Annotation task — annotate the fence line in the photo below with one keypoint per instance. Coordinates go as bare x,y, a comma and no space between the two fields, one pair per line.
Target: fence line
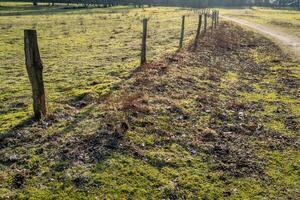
35,68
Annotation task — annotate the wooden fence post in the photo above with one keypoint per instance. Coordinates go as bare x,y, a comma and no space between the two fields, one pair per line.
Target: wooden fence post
216,18
205,22
198,29
34,68
144,42
182,32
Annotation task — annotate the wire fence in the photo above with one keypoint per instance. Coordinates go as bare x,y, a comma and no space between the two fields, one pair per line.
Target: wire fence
69,68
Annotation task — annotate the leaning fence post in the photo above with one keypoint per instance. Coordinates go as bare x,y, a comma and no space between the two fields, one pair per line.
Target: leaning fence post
216,16
144,42
34,68
182,32
198,30
205,22
216,19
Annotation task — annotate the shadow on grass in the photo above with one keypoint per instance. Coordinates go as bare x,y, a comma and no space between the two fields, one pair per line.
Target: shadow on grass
23,124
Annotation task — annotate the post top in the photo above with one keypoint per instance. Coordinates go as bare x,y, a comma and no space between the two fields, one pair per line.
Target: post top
29,30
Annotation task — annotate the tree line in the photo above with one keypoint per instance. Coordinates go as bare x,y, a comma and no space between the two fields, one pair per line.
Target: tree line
181,3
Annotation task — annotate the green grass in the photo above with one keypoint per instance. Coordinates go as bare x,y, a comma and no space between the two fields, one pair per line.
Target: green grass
285,20
214,123
83,51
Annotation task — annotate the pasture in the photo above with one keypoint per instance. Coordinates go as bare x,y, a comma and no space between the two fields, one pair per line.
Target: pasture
84,51
216,120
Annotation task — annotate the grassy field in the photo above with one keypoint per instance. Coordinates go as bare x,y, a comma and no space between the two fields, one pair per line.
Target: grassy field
84,51
217,122
285,20
220,122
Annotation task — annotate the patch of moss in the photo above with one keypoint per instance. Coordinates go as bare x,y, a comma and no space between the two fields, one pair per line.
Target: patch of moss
12,118
283,169
125,177
269,110
139,138
245,188
267,97
278,126
5,193
259,56
295,109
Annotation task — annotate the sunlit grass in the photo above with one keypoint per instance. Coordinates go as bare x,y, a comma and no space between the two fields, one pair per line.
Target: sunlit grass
83,50
285,20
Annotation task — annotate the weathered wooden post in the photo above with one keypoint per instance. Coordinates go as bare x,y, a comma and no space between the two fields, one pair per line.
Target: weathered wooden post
205,22
198,29
215,20
182,32
34,68
212,20
216,16
144,42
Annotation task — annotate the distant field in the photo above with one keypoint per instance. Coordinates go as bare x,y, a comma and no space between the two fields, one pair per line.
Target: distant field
285,20
84,51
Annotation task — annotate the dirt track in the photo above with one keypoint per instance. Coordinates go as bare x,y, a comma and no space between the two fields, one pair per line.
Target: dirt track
290,42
